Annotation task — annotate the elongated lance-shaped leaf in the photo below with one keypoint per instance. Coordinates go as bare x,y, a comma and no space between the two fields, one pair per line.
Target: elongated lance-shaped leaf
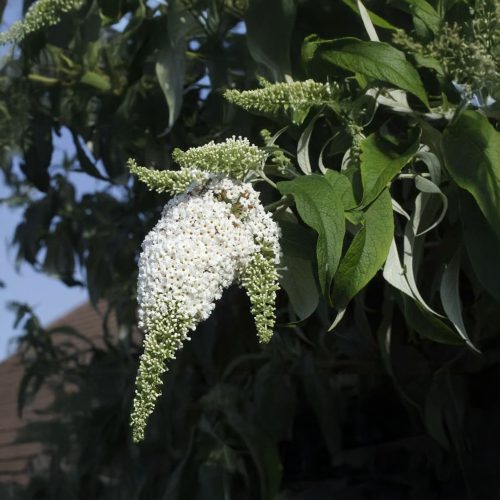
450,298
471,149
321,208
378,61
380,164
297,278
303,158
367,252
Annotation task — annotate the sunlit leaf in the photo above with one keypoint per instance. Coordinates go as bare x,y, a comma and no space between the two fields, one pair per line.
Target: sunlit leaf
376,60
321,208
367,252
380,164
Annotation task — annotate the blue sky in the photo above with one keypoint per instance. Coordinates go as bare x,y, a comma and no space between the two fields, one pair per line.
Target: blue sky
49,297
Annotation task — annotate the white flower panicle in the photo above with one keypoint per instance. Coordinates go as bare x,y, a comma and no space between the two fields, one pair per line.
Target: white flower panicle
234,157
300,96
41,14
216,234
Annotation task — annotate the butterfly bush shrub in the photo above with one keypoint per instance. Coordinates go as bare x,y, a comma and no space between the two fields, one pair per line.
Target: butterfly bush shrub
350,208
364,202
214,234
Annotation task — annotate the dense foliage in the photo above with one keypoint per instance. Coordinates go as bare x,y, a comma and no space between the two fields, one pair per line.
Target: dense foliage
382,167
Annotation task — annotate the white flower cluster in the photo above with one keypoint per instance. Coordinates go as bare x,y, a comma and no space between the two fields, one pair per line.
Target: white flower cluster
216,234
41,14
200,246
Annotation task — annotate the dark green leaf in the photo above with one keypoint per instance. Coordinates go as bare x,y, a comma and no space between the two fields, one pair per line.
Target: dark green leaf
269,26
450,298
483,245
297,278
342,185
303,158
319,395
426,13
380,164
38,148
59,259
86,163
171,60
274,395
170,73
263,451
427,324
376,60
471,149
376,20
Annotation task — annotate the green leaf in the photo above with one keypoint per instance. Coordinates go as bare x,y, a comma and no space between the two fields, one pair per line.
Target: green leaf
303,158
384,337
432,163
394,273
318,392
169,69
171,60
426,13
425,208
321,208
429,62
269,32
98,81
263,451
376,20
59,259
376,60
111,9
482,244
297,279
367,252
37,147
344,188
427,186
450,298
274,394
380,164
427,324
86,164
471,150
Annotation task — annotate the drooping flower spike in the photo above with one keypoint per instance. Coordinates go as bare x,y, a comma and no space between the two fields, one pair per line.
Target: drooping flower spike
215,234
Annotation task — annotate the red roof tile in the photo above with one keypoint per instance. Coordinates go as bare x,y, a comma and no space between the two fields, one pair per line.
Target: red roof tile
17,457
